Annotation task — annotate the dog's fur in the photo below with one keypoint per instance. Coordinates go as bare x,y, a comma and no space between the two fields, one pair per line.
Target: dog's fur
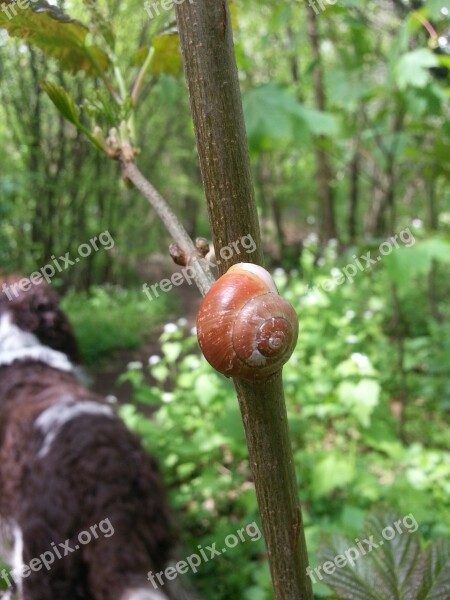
67,463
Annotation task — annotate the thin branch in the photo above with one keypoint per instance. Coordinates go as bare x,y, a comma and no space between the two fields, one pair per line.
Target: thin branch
202,273
140,78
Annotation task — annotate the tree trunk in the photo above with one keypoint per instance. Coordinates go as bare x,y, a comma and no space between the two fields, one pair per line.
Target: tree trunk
385,207
211,74
327,221
433,213
38,230
354,196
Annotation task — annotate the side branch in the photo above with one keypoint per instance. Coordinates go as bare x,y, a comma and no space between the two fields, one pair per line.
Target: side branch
203,276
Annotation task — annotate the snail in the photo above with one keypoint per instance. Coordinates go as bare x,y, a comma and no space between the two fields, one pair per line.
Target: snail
244,327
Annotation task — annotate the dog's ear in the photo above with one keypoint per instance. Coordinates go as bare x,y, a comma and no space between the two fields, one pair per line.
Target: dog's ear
37,311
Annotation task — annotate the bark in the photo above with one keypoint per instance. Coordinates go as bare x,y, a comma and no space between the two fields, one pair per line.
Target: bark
219,126
216,106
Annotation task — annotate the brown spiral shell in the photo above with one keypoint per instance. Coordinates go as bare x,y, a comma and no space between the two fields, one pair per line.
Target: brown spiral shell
244,327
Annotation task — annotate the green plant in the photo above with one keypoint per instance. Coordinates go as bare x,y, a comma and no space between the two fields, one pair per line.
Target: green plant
109,317
385,561
341,392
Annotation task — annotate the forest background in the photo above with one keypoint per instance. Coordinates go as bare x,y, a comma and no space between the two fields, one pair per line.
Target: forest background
347,115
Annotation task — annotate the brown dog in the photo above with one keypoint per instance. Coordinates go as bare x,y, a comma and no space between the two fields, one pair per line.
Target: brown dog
83,514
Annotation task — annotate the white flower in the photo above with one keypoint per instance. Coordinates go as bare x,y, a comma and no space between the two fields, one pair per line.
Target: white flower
134,364
335,272
154,359
182,322
279,272
170,328
167,397
417,223
311,297
193,331
311,238
361,360
350,314
351,339
193,362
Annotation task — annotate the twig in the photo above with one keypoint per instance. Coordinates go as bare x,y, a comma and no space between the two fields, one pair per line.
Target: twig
202,273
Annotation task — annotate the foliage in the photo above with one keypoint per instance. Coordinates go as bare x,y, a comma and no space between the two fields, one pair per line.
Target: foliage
352,449
110,318
384,129
274,116
367,389
56,34
390,563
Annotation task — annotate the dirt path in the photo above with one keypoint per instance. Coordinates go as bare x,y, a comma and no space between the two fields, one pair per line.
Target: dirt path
104,378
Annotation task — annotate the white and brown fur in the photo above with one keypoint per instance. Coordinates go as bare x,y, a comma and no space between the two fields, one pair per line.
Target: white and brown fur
67,463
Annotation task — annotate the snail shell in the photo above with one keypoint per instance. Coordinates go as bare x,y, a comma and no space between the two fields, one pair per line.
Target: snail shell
244,327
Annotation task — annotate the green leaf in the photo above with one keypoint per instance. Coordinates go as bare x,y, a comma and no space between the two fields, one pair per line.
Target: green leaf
206,388
435,249
167,58
171,351
56,34
347,88
348,582
386,563
318,123
273,117
67,107
147,396
332,472
63,102
405,263
160,372
436,581
413,68
360,398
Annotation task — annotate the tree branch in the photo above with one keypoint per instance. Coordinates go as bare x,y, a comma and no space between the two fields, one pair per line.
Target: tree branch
203,276
216,106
